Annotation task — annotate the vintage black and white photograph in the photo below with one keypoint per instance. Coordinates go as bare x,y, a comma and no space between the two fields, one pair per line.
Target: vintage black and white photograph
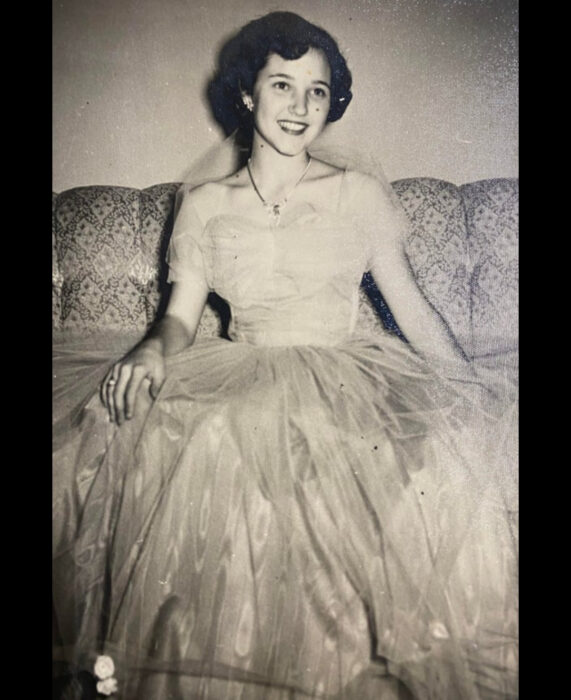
285,350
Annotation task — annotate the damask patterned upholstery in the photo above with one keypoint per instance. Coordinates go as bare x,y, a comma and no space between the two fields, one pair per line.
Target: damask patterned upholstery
492,217
156,220
109,270
101,259
57,278
437,249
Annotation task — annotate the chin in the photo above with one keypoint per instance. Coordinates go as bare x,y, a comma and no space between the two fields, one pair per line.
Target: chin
292,152
285,145
294,149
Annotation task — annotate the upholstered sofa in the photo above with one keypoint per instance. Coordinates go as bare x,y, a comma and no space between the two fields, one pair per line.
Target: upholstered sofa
109,270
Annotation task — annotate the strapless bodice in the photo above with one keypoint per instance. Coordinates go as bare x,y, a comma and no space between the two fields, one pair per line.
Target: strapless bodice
296,283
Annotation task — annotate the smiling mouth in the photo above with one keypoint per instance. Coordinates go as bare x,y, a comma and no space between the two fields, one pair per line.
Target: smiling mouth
292,128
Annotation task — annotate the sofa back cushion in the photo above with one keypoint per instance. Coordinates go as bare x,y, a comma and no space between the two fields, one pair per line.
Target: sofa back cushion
101,259
492,223
437,249
108,259
156,222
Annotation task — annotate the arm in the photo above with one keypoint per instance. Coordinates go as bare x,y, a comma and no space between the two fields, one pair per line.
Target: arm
389,265
418,320
176,330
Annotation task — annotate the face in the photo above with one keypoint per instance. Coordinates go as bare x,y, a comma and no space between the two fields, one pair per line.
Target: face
291,101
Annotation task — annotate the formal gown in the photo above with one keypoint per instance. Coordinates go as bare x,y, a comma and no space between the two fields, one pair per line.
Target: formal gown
304,511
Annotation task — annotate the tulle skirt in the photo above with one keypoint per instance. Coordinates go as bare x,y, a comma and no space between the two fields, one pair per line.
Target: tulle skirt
287,522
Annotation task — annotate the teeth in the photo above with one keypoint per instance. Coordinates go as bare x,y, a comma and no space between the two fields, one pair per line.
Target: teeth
293,126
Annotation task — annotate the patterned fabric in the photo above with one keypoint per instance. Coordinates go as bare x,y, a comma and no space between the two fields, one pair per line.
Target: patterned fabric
492,220
108,266
157,214
437,249
57,278
101,257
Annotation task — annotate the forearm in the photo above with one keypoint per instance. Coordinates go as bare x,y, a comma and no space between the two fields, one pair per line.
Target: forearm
427,332
168,336
421,324
176,330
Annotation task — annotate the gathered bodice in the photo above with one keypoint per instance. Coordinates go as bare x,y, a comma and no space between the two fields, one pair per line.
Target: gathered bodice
294,282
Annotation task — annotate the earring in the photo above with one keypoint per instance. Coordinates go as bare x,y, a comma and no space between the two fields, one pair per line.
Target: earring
248,103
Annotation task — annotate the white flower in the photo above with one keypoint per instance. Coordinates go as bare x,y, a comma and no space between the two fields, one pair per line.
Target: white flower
104,667
107,686
438,630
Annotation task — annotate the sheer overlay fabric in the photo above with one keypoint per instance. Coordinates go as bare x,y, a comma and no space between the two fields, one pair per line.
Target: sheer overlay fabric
303,511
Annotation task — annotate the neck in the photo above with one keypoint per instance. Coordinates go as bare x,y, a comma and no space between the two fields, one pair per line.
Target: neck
275,172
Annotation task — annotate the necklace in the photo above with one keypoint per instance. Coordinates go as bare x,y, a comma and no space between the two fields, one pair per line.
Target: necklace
274,209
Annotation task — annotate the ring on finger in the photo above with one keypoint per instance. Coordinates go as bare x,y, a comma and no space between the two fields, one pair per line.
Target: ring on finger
111,382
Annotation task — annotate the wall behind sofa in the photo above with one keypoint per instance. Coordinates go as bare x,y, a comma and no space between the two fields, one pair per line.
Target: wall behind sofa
435,84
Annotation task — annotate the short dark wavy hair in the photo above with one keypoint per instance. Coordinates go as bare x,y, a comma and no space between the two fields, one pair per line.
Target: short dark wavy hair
245,54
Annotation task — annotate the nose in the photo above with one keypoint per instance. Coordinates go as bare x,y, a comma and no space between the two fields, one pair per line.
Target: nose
298,105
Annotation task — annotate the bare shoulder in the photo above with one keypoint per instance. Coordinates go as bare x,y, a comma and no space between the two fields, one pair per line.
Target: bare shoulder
206,198
360,180
364,192
320,170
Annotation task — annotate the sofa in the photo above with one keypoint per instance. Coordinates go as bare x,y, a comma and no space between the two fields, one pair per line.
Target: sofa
109,271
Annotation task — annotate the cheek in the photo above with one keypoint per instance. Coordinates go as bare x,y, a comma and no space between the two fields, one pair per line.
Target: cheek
261,112
321,111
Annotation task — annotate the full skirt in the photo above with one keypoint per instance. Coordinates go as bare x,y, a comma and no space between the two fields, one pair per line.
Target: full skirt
288,522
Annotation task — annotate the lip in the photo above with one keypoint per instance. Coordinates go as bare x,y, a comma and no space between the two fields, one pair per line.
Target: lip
291,127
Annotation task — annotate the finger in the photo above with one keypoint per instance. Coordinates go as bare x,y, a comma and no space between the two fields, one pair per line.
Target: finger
132,391
102,391
110,389
156,383
107,389
119,393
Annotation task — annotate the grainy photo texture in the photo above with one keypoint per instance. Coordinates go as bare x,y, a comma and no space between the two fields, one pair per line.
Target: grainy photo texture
285,350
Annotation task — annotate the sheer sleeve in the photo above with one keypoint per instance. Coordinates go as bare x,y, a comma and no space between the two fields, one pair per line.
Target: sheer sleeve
380,215
184,253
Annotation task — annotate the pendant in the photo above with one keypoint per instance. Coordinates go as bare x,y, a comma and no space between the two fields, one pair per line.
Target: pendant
274,209
274,212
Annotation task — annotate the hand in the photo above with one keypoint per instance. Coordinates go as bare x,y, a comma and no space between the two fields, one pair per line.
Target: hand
120,388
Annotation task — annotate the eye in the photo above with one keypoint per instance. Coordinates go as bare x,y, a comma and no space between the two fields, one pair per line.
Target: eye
319,92
281,85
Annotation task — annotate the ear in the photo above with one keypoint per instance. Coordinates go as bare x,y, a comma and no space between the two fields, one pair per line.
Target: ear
247,100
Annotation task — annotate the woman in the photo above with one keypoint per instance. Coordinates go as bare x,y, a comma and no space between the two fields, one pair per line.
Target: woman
256,527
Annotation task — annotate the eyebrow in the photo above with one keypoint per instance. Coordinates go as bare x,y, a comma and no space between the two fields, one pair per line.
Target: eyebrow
290,77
